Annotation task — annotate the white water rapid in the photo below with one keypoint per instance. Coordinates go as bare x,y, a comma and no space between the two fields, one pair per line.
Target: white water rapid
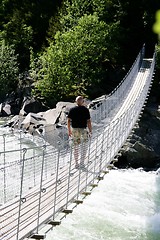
124,206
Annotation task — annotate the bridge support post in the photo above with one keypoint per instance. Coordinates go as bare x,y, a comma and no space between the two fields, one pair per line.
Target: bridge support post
37,236
54,223
77,201
86,193
67,211
94,185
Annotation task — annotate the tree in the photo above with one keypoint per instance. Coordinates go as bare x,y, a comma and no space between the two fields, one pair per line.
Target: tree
8,70
77,61
25,24
17,33
131,29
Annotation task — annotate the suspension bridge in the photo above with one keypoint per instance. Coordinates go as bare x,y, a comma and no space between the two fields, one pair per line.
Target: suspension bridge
39,182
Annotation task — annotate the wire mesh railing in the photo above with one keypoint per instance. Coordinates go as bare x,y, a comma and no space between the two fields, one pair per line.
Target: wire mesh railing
39,181
109,105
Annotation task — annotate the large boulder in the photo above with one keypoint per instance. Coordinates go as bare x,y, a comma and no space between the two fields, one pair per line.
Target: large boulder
140,155
33,121
6,110
59,114
31,105
143,150
56,135
10,106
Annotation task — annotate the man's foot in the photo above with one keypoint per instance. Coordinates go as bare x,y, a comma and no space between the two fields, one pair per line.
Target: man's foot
82,166
77,166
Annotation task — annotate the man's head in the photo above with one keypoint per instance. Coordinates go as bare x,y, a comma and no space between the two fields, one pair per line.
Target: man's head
79,100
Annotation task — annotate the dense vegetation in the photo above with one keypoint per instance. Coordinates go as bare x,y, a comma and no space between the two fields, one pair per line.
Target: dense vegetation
70,47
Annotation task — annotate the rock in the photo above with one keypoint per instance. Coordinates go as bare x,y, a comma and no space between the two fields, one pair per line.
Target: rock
143,149
31,105
32,121
6,110
140,155
51,116
63,108
153,110
1,107
14,122
56,135
45,122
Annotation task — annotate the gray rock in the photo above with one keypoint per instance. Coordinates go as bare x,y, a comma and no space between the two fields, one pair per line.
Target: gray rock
142,149
31,105
6,110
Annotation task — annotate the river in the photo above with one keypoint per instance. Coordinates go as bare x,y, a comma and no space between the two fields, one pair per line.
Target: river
124,206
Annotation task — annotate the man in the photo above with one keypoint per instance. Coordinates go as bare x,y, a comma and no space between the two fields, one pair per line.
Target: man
78,121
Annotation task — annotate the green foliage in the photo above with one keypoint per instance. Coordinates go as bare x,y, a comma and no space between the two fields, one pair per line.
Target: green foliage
121,13
72,11
8,69
77,60
158,57
24,24
156,25
156,29
20,35
87,41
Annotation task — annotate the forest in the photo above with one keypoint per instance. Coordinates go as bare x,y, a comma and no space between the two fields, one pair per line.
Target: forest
64,48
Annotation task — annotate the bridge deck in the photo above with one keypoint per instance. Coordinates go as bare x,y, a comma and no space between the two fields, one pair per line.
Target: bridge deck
137,87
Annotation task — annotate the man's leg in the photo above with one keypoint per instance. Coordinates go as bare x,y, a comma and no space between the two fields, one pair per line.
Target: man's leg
76,154
84,146
83,152
76,140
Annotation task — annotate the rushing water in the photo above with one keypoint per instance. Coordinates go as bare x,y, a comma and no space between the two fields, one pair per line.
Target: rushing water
125,205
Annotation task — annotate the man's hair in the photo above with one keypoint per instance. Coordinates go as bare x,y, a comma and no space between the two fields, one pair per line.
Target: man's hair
79,100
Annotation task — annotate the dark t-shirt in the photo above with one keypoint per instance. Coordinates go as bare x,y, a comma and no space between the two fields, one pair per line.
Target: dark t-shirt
79,116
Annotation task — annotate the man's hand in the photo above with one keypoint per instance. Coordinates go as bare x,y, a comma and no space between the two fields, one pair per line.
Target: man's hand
69,133
90,134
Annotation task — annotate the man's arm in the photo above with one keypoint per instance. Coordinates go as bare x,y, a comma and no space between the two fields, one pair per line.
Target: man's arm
69,127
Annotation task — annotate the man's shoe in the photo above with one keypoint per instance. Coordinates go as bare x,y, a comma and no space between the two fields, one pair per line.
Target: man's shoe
77,166
82,166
